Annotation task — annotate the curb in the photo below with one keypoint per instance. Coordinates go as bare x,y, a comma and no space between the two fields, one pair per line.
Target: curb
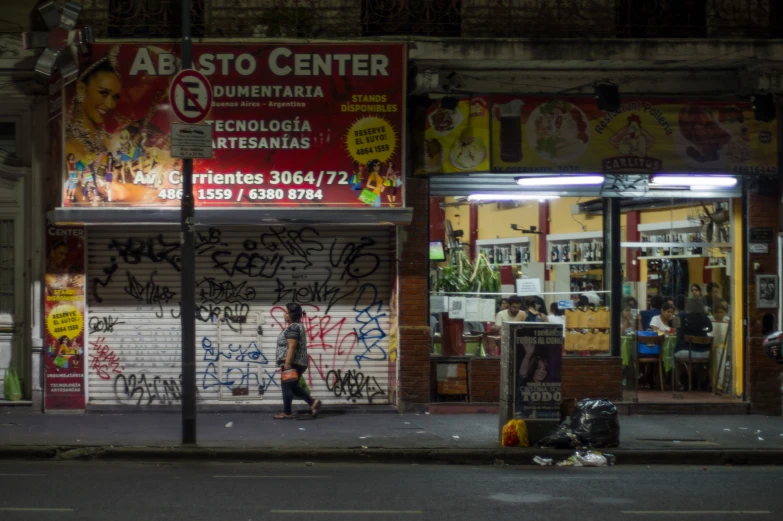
499,456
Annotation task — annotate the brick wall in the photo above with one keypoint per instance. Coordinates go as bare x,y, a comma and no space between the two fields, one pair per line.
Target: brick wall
762,375
413,384
485,380
593,377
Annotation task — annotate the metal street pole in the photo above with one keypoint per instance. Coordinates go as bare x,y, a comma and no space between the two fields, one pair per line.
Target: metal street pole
188,274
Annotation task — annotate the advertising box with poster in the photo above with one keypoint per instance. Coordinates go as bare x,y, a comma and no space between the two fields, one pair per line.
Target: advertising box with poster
292,125
538,356
64,356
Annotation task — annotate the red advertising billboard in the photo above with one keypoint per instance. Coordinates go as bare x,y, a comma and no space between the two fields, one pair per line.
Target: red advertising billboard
64,318
292,125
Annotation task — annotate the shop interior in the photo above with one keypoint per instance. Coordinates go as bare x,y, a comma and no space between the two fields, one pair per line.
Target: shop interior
679,261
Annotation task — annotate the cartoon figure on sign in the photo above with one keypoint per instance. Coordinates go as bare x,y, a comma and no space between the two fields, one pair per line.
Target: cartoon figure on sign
633,140
86,167
73,178
106,174
391,181
67,354
357,178
129,152
371,194
706,137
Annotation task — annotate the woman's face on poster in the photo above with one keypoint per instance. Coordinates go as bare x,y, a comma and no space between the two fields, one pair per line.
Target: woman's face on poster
100,93
60,255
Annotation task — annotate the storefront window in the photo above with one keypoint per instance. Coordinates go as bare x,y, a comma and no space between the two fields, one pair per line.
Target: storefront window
677,304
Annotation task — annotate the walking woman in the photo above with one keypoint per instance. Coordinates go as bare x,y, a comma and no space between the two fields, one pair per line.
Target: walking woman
292,354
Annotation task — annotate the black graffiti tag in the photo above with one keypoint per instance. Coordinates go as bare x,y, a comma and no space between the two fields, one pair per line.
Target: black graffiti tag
109,273
149,292
165,391
252,264
156,249
355,262
353,385
103,324
314,292
300,244
226,291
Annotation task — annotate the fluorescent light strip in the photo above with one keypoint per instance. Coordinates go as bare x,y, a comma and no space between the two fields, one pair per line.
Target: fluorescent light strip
510,197
700,181
562,180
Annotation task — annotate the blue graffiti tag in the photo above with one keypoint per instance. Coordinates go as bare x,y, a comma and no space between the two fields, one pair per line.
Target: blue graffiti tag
233,376
370,333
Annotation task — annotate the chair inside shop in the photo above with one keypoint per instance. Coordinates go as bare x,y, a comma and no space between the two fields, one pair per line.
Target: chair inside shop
690,361
474,344
646,317
648,352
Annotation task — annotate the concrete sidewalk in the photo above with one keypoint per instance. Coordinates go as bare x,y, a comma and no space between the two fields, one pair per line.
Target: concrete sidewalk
342,435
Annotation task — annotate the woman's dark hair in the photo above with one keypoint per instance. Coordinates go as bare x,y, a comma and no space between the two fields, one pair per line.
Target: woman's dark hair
372,163
630,302
514,299
667,307
695,286
504,300
102,65
58,244
656,302
555,309
294,311
530,302
63,339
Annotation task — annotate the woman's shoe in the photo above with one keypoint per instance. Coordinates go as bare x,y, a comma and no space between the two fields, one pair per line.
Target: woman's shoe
283,416
315,408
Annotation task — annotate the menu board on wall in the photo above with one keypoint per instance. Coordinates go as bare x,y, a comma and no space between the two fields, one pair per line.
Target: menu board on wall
570,135
292,125
456,136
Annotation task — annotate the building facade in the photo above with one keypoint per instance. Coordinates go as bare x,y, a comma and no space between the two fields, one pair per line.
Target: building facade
368,292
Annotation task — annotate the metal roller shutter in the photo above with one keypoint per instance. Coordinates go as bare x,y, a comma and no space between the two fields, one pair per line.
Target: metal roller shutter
244,277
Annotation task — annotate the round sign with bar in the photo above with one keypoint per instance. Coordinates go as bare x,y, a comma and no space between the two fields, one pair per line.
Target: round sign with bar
191,96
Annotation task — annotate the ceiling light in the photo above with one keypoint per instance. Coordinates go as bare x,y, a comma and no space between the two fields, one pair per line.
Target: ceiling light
510,197
561,180
699,181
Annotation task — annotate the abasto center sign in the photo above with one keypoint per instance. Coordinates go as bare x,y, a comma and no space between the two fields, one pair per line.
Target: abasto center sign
292,125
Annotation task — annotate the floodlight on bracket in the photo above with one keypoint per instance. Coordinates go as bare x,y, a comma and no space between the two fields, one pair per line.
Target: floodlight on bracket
532,230
61,44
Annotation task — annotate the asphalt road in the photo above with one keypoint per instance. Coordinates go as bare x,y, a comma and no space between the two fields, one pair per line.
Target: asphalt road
112,491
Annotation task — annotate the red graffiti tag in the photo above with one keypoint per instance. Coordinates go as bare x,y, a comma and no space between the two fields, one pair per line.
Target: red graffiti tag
104,360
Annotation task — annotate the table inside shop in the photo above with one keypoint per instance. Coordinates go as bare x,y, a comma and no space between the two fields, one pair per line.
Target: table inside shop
628,349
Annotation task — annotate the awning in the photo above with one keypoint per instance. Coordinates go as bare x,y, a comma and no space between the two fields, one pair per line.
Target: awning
234,216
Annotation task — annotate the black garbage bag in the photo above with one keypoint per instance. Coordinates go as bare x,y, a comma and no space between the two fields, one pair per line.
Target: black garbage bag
593,424
562,438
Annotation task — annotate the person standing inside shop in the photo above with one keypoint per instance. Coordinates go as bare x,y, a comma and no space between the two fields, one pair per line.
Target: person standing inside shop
292,354
514,313
533,314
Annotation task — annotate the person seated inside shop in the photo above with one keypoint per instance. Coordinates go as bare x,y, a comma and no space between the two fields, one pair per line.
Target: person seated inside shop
535,310
514,313
714,295
662,323
694,322
646,315
503,304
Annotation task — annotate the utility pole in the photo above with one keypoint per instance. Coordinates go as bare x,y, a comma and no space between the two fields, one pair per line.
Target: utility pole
188,274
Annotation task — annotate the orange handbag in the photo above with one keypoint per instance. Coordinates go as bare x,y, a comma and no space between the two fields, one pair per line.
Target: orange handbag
289,376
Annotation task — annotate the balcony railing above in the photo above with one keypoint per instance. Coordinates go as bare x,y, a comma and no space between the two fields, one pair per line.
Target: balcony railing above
440,18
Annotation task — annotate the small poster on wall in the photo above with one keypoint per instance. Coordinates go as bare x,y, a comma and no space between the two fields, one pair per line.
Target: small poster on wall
766,291
64,357
538,355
